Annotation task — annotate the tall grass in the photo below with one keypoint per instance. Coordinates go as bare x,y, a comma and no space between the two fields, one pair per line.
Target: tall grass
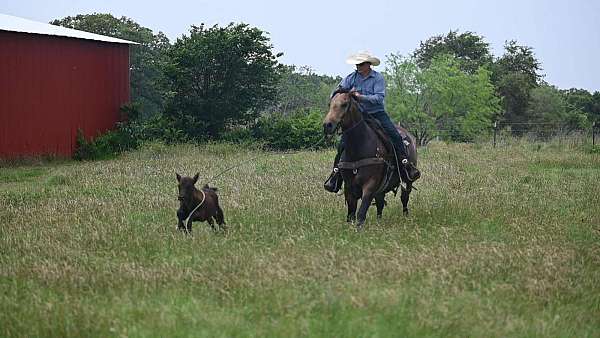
499,242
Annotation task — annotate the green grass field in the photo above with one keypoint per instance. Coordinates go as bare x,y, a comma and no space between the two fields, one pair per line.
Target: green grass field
500,242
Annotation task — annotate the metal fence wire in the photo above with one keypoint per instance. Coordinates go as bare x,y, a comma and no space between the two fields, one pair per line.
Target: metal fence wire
544,132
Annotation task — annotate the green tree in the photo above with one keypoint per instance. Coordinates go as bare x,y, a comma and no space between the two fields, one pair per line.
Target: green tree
148,89
594,110
404,97
464,104
584,101
220,76
441,100
515,74
468,48
550,111
301,90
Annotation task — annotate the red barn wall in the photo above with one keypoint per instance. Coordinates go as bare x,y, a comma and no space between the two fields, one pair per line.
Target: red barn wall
51,86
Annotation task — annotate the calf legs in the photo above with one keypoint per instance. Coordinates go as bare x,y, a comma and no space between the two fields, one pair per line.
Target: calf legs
181,224
219,217
181,216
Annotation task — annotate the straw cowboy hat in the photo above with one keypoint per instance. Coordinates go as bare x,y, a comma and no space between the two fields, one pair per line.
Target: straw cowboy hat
361,57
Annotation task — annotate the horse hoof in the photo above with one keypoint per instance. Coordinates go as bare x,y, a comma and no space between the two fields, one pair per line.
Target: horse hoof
360,225
405,212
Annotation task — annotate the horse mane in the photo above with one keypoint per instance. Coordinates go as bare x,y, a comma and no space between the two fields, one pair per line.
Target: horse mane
340,90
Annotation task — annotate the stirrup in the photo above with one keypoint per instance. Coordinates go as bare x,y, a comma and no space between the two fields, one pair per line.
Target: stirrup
416,173
334,182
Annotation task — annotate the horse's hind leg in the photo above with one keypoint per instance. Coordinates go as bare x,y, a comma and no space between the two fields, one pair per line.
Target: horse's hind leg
404,197
380,203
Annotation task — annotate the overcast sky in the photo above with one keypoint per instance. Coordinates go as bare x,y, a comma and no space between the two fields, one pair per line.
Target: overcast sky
565,34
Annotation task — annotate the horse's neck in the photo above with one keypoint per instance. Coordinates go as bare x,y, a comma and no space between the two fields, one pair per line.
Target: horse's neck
353,117
360,140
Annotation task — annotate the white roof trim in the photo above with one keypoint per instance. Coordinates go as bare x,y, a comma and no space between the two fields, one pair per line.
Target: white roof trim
16,24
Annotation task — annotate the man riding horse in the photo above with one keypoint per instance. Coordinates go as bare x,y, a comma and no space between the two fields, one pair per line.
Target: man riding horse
368,87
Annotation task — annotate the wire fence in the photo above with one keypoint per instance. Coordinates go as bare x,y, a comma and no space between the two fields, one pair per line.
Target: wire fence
544,132
504,133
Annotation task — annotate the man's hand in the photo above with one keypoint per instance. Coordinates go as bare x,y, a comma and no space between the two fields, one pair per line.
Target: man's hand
356,94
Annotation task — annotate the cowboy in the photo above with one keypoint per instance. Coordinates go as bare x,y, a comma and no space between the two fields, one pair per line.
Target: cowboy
368,87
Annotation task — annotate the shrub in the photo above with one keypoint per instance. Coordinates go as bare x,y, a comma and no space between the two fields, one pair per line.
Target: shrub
105,146
240,135
156,128
297,131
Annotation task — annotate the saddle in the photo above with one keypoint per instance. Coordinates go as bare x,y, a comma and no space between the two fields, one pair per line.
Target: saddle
375,125
378,129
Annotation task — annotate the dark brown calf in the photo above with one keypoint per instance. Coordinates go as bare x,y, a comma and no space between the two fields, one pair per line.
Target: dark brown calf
203,205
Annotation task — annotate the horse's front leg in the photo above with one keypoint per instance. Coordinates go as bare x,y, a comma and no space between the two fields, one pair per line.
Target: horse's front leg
380,203
367,198
404,197
351,201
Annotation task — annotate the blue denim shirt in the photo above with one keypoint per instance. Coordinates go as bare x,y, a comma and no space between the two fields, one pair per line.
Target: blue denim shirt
372,87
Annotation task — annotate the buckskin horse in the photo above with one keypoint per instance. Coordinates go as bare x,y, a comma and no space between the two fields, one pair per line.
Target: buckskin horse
368,164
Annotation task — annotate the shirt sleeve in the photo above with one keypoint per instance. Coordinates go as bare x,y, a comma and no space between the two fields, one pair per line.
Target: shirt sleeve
378,92
345,84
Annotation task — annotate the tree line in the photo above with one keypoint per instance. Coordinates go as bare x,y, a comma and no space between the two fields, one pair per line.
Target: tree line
227,83
452,86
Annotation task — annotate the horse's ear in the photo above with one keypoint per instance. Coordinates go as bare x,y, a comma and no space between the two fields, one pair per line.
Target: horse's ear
196,177
178,177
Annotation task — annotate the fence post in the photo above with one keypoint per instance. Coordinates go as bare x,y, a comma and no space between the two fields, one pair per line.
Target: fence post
594,134
495,130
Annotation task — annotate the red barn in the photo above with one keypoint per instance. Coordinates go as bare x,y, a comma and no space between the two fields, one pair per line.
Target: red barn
54,81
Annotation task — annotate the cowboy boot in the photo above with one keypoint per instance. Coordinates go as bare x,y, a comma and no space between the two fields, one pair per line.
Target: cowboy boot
411,172
334,182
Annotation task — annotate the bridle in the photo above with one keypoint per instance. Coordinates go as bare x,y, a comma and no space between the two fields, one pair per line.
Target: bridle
352,102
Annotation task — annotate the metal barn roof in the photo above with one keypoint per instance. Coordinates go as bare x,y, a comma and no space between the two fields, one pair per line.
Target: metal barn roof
16,24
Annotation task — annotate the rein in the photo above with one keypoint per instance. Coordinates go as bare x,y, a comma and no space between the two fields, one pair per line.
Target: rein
354,126
347,111
314,146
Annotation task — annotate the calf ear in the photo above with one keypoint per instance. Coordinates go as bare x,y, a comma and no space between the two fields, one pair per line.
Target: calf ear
178,177
196,177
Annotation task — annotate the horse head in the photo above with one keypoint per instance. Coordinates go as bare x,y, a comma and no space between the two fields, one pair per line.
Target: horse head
343,109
